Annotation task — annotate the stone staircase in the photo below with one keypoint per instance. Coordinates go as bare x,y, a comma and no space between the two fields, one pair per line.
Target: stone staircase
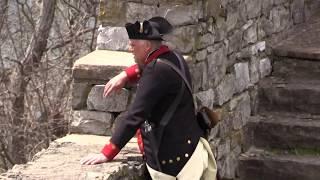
284,138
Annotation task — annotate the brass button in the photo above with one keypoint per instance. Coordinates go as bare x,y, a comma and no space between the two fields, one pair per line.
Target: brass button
189,141
163,162
186,155
178,158
170,161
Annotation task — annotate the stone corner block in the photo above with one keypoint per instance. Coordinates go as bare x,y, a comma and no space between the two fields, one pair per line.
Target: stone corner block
79,96
91,122
101,65
116,102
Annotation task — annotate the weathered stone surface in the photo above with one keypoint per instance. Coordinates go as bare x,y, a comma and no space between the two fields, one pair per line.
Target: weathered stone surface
223,149
279,20
101,65
229,166
266,7
235,42
205,98
198,75
91,122
217,64
112,38
213,8
232,17
183,38
258,163
286,130
115,102
139,12
225,89
253,8
265,67
242,76
79,95
61,161
205,41
238,111
201,55
292,68
297,8
185,15
254,70
112,12
295,96
250,34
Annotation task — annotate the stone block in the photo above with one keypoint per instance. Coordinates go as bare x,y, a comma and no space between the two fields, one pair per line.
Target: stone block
254,70
213,8
112,38
223,149
139,12
228,169
161,2
184,15
115,102
250,35
265,67
253,8
225,89
112,12
205,98
279,19
101,65
79,95
201,55
91,122
242,76
217,61
241,106
297,10
235,41
232,17
183,38
266,7
198,75
205,41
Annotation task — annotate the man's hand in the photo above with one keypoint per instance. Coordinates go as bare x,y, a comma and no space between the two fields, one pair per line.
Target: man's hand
94,159
115,84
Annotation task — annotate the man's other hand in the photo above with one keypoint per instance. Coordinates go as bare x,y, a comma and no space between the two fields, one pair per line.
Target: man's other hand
115,84
94,159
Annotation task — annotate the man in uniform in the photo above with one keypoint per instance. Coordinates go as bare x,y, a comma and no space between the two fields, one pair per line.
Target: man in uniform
182,153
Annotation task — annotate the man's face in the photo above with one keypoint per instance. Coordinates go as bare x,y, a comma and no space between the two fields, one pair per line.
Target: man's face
140,50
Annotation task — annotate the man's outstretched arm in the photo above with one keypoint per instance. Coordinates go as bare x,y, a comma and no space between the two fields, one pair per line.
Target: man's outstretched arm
131,74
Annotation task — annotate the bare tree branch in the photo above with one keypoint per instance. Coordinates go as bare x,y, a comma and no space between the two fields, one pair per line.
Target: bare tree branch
20,82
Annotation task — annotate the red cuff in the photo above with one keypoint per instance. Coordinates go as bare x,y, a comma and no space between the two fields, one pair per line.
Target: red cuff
140,142
110,151
133,73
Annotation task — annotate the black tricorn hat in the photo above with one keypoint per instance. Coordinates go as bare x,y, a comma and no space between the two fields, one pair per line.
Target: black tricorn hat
152,29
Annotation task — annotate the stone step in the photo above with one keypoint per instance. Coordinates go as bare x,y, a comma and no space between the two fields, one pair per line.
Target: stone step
288,131
276,94
262,165
294,68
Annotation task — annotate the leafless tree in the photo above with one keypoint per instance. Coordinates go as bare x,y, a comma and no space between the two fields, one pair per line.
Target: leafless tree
41,41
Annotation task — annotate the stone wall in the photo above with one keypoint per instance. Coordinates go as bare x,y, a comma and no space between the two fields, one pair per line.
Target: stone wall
228,45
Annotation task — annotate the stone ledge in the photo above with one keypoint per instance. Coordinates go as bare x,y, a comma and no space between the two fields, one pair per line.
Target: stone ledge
101,65
61,161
